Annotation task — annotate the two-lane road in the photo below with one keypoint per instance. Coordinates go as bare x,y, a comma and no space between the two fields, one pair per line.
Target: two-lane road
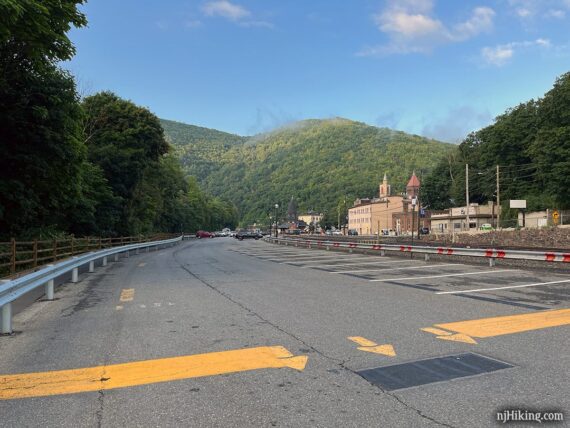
227,333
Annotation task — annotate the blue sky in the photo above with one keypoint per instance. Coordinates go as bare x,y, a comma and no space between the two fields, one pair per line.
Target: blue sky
439,68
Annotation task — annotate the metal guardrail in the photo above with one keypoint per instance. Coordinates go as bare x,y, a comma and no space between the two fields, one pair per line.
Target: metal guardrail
13,289
490,253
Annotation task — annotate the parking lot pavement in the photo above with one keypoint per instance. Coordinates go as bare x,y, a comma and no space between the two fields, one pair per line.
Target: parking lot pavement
529,289
230,334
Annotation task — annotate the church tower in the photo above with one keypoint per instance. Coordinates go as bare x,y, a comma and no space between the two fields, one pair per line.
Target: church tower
385,188
413,187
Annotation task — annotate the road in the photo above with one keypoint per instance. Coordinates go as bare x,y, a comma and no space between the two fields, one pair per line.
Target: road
230,334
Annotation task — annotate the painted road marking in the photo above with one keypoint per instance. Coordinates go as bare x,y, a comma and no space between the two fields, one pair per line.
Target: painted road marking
127,295
142,264
119,308
401,268
146,372
362,263
498,326
370,346
442,276
504,288
331,260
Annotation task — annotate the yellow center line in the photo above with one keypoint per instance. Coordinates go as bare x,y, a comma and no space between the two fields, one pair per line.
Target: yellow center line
127,295
146,372
497,326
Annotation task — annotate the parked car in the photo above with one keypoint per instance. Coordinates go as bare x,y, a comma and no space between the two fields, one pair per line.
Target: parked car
203,234
246,234
424,231
486,226
337,232
353,232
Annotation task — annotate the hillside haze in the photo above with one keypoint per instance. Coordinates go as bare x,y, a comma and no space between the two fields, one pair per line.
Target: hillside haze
319,162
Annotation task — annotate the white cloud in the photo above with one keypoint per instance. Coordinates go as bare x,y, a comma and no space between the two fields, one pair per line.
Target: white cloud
412,27
226,10
456,124
480,22
535,9
234,13
556,13
500,55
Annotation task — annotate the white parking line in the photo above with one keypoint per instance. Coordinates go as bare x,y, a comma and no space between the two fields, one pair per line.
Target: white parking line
441,276
361,263
401,268
503,288
331,260
303,257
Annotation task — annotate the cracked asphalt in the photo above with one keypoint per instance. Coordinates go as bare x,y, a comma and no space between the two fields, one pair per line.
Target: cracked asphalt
221,294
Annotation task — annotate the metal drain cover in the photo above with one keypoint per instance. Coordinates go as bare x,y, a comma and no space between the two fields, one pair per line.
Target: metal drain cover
433,370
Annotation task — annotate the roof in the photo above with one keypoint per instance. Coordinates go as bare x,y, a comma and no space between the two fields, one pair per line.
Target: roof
414,181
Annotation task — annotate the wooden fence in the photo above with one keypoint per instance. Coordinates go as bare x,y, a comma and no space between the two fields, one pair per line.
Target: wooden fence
19,257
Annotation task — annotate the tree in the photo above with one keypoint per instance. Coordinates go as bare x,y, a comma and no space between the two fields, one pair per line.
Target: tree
127,142
40,132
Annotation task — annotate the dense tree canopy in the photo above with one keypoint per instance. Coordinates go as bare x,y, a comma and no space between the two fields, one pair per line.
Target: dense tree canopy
531,145
97,166
317,161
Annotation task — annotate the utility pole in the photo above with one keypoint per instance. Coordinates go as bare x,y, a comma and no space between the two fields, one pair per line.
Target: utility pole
467,195
498,201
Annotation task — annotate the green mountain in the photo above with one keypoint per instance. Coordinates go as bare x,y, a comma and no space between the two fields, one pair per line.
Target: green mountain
319,162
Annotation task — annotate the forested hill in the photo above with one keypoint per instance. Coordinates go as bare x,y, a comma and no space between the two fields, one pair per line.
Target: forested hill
320,162
530,144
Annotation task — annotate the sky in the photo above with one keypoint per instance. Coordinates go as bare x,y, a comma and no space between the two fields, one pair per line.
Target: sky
438,68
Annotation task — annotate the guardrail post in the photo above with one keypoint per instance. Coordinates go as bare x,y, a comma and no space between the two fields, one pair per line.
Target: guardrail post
104,261
91,266
75,274
7,318
492,262
127,254
49,290
426,257
382,253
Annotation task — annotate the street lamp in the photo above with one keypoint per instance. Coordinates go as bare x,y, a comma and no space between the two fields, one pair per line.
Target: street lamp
414,202
276,225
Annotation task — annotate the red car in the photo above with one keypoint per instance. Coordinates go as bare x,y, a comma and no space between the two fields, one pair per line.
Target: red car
203,234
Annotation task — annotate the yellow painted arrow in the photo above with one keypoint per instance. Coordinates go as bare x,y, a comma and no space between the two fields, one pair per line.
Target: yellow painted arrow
146,372
370,346
465,331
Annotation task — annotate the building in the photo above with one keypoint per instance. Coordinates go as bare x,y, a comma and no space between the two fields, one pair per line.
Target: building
372,216
311,217
454,220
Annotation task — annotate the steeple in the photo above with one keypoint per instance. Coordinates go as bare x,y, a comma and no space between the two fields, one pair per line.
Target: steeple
385,188
413,187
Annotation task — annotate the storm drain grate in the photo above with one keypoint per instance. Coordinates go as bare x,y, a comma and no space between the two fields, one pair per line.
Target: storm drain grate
433,370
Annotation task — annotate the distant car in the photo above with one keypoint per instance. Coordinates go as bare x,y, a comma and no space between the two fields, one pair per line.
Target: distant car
486,226
337,232
246,234
352,232
328,232
424,231
203,234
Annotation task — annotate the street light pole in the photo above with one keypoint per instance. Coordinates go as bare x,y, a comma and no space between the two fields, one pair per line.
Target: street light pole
414,201
276,207
467,196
